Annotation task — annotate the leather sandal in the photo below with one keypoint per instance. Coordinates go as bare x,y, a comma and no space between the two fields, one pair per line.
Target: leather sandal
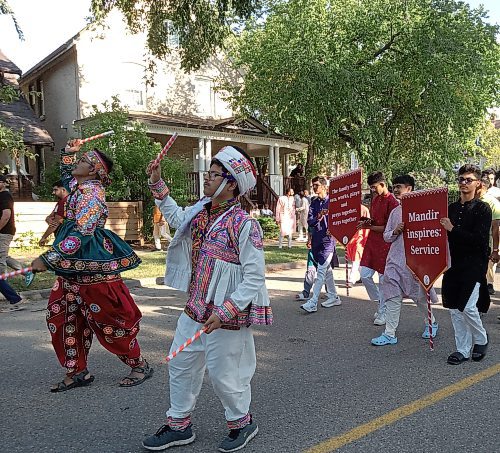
79,380
146,372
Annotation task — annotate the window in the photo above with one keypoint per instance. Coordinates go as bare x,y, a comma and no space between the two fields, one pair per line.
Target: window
172,34
205,96
133,98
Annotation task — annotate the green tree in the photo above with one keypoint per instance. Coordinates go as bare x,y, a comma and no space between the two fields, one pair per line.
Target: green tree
131,149
489,144
202,25
404,82
6,9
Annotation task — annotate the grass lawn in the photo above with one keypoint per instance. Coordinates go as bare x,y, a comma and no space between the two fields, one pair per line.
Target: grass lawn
153,263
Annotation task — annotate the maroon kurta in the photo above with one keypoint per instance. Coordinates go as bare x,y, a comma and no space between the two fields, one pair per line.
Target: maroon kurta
376,249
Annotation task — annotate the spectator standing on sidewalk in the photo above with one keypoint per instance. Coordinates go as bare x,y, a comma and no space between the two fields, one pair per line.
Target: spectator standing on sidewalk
7,232
160,228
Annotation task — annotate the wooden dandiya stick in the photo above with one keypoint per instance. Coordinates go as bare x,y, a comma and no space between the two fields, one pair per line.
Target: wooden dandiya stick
165,149
429,320
346,274
96,137
186,344
18,272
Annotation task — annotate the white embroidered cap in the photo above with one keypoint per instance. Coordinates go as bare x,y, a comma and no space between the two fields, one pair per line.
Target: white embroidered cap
241,169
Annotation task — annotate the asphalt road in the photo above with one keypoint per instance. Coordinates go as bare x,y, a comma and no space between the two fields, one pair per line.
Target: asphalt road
319,383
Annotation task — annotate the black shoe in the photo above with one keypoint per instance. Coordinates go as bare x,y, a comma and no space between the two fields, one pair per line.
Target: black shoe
166,437
491,290
238,438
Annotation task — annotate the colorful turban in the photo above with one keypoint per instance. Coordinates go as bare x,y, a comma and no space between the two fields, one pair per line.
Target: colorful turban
240,168
100,167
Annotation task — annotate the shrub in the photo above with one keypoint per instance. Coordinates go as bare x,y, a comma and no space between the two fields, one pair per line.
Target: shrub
269,227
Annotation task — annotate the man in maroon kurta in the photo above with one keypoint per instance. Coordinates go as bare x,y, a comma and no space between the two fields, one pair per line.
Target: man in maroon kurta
376,249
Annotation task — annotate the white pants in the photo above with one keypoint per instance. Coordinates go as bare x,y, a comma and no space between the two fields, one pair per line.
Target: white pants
371,288
490,274
289,241
354,272
160,231
229,356
324,276
393,310
468,326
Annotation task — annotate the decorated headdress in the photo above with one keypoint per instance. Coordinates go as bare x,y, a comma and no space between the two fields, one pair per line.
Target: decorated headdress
100,166
239,167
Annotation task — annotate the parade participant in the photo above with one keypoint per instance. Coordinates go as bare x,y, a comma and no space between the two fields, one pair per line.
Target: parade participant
89,296
355,247
464,289
302,214
493,190
323,248
484,195
376,249
55,218
398,281
285,217
217,257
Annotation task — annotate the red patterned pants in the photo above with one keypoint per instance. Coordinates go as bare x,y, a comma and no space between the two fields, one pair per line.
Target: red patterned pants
76,311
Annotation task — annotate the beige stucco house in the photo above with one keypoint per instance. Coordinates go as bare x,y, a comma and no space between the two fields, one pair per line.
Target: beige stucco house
97,64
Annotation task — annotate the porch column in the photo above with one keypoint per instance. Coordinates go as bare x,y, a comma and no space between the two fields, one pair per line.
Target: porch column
208,153
270,165
277,166
286,171
201,154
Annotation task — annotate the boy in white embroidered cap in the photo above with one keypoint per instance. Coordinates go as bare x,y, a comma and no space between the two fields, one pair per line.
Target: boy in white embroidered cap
217,257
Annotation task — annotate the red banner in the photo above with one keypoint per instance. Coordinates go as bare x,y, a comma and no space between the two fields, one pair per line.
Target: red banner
424,237
344,208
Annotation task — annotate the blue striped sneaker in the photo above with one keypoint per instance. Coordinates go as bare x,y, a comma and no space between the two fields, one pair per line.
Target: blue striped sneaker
166,437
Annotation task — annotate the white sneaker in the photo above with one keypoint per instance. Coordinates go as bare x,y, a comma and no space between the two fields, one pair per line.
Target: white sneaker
157,244
333,302
310,307
379,320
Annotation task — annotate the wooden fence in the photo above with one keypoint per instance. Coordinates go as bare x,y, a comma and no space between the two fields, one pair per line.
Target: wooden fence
125,219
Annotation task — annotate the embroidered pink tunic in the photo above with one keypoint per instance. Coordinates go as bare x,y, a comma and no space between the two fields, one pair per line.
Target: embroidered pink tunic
285,215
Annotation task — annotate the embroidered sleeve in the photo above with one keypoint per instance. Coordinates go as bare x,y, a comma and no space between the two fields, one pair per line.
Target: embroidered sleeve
253,267
159,189
67,164
91,207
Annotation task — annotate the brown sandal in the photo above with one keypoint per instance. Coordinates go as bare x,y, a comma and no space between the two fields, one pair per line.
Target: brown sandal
145,370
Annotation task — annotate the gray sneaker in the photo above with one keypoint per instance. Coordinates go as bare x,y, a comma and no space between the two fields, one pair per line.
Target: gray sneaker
166,437
238,438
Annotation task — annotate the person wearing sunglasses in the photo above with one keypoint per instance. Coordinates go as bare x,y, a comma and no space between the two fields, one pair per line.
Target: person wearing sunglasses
89,296
217,257
464,288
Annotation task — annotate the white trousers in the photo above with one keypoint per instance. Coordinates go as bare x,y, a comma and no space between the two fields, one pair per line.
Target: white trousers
393,310
354,274
229,356
280,241
371,288
468,326
324,276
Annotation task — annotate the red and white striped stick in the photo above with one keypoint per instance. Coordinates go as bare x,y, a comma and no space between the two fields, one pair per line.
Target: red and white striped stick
429,320
95,137
186,344
165,149
18,272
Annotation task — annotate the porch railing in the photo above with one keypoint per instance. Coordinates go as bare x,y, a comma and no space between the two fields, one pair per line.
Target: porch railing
265,193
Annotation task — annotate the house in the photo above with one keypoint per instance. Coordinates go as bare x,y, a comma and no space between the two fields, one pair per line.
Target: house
17,115
96,64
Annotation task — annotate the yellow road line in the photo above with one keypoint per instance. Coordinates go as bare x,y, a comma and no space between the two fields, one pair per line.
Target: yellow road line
402,412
